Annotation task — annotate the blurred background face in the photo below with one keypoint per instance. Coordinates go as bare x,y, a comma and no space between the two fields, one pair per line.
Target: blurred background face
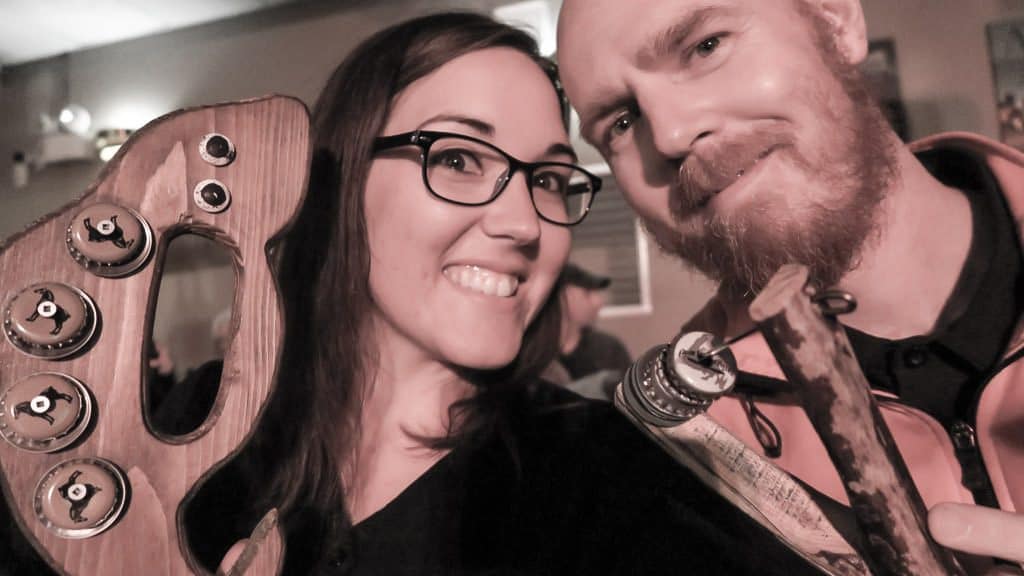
581,305
461,284
737,129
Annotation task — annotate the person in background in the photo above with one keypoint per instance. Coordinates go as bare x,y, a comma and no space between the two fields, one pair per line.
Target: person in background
188,403
744,136
593,361
161,373
220,332
1011,121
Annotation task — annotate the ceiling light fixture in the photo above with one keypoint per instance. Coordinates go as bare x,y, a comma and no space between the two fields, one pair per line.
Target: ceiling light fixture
75,119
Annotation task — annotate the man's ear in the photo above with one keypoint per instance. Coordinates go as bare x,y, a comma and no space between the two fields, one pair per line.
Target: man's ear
847,20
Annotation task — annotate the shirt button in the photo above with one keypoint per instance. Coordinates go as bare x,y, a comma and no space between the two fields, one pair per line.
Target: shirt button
915,356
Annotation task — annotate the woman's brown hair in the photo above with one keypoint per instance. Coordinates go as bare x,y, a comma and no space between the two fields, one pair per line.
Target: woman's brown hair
323,269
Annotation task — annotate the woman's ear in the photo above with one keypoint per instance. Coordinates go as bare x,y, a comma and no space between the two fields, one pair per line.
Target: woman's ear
848,28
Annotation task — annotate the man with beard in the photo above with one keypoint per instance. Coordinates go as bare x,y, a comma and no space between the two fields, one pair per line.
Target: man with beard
742,134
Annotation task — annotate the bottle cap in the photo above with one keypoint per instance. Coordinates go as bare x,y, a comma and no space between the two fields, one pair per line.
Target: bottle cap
80,498
109,240
50,320
44,412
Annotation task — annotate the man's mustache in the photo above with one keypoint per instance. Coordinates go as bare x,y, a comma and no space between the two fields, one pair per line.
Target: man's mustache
712,168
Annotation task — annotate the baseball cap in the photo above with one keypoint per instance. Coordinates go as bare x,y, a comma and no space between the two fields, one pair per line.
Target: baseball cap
573,274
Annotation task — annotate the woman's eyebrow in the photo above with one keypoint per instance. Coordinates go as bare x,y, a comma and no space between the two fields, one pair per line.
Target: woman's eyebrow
475,124
561,149
486,129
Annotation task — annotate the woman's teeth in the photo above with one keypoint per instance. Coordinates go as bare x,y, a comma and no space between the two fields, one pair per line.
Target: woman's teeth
482,280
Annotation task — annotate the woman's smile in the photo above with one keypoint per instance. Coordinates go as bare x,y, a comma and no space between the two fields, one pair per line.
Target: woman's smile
482,280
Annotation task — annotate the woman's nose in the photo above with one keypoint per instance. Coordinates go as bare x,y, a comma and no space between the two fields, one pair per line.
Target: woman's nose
512,215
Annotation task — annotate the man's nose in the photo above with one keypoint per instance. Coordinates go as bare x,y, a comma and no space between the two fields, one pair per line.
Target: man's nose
678,117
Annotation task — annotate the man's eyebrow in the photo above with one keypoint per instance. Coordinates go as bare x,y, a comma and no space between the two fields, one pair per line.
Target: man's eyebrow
598,111
664,42
670,38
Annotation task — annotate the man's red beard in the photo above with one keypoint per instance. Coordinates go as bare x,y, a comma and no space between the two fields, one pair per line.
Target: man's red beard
743,249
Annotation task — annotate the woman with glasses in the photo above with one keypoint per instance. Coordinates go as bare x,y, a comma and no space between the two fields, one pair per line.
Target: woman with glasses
410,432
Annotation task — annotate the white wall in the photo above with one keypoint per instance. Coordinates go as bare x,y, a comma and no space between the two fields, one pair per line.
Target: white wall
942,52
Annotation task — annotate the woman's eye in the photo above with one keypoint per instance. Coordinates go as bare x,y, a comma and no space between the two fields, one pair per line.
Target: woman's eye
456,160
549,181
707,46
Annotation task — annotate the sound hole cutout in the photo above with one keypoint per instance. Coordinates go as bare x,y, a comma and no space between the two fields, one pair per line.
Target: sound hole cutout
192,331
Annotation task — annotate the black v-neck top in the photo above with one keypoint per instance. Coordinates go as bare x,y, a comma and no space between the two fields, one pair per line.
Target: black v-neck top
572,487
569,487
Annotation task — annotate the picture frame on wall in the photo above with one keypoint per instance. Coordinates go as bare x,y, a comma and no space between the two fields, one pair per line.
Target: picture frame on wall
881,72
1006,52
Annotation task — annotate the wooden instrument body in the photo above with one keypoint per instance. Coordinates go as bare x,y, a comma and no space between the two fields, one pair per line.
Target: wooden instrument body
155,174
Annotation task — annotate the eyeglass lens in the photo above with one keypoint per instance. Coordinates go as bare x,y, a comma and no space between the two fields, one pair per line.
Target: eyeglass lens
469,172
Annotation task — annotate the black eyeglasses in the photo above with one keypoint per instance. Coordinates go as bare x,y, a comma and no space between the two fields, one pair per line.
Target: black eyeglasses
470,172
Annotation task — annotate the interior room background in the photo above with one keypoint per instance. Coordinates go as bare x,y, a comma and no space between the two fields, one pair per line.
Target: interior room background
933,64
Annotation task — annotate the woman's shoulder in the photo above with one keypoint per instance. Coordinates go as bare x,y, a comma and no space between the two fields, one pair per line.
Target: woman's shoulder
551,418
626,500
586,451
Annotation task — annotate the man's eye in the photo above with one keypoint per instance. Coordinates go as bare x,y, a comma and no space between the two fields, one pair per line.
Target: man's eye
622,123
707,46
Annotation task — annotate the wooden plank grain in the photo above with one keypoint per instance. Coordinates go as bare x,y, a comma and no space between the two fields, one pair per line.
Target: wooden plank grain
154,174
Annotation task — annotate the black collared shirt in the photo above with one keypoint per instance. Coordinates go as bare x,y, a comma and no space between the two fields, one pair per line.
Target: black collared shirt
943,371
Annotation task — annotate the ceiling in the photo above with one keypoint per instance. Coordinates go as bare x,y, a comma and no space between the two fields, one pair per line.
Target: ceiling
33,29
